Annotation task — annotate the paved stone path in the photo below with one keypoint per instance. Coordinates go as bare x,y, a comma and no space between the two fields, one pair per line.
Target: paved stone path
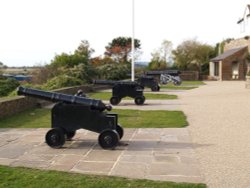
157,154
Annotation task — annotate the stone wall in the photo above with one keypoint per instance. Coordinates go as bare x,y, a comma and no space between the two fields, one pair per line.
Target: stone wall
189,75
18,104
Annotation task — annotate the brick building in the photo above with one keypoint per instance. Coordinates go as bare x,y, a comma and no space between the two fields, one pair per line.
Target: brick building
233,64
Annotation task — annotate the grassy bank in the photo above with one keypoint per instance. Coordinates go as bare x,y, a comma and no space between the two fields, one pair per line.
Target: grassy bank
32,178
150,96
40,118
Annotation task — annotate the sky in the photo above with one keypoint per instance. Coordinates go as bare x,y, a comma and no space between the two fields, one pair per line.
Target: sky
32,32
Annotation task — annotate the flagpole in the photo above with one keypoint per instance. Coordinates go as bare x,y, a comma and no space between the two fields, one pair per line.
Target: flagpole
133,42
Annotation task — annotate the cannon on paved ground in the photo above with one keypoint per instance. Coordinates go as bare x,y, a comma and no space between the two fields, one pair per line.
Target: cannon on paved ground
121,89
167,76
71,113
148,81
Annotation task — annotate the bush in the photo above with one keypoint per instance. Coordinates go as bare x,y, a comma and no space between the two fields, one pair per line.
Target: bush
62,81
7,86
113,71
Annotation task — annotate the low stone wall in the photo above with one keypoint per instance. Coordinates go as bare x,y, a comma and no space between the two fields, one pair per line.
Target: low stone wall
189,75
18,104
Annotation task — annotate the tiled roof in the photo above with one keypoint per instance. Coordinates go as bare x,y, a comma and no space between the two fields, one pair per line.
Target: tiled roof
228,53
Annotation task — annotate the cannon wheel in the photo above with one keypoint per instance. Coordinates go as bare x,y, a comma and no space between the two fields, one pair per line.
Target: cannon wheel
70,134
115,100
158,88
177,83
139,100
55,138
108,139
155,88
119,130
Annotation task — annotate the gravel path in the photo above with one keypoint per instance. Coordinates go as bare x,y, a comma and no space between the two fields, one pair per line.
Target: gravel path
219,123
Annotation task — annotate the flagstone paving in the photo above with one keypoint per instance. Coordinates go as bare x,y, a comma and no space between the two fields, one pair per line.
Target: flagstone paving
156,154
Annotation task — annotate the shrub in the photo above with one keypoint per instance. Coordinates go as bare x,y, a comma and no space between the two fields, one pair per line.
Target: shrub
62,81
7,86
113,71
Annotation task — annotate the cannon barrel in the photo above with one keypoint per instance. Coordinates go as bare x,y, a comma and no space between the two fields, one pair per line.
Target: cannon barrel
59,97
170,72
113,82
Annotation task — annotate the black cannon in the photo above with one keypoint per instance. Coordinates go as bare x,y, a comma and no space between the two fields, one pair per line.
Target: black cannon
167,76
121,89
71,113
148,81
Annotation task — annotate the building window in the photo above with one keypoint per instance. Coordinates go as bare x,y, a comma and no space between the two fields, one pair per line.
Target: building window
216,68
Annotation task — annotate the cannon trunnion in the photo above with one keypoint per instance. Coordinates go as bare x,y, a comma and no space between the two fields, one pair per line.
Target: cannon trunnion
74,112
121,89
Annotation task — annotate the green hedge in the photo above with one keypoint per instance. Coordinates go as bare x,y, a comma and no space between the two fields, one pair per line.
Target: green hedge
7,86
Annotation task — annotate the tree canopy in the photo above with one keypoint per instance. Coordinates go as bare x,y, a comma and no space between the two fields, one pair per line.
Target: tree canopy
192,55
120,48
160,56
81,56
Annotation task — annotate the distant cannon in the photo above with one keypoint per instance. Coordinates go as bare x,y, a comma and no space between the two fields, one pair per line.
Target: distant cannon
75,112
121,89
148,81
167,76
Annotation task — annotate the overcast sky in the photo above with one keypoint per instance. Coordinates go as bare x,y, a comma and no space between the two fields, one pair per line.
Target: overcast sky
32,32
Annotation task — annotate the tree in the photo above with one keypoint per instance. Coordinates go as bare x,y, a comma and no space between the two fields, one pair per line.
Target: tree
71,65
84,49
166,49
120,48
81,56
192,55
160,56
157,62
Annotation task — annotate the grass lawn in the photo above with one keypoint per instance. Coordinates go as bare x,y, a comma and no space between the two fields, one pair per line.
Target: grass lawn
40,118
108,95
151,119
181,87
32,178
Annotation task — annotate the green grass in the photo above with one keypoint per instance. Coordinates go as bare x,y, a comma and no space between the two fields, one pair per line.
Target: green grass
34,118
11,177
40,118
108,95
173,87
151,119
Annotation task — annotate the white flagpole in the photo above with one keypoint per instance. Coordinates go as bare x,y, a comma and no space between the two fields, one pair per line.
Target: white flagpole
133,42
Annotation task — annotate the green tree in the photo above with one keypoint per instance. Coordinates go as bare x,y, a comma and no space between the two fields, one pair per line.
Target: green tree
81,56
76,65
192,55
157,62
120,48
161,56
